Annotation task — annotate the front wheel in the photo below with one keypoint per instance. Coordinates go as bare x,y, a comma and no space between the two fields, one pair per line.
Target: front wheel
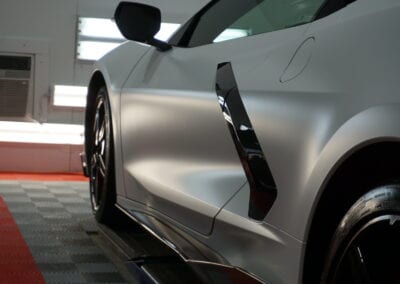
101,160
366,245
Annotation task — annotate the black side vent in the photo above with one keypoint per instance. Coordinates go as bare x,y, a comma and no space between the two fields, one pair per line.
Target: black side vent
263,190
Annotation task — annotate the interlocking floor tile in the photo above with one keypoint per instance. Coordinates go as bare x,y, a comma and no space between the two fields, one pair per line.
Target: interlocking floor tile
44,194
61,277
66,267
89,258
5,188
57,224
17,200
103,277
96,268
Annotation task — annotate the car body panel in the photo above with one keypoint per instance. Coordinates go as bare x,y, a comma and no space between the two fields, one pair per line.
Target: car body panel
338,90
176,144
265,250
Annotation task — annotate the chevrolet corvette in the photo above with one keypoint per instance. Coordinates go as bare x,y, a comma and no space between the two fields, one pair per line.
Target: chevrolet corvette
262,138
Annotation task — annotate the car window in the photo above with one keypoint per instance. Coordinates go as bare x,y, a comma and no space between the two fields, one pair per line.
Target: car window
223,20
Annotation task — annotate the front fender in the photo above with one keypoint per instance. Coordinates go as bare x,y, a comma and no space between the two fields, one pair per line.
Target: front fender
373,125
115,68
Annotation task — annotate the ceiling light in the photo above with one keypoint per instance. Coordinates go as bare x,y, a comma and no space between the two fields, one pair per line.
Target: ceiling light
98,36
99,28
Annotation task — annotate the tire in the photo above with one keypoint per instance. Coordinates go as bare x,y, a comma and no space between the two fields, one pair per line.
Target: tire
101,160
366,245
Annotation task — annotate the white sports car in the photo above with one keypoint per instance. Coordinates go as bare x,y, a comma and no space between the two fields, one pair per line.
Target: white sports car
263,138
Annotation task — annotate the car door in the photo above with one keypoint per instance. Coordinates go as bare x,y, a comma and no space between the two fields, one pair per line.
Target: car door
180,156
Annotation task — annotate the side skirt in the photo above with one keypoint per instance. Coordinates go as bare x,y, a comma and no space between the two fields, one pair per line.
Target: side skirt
205,262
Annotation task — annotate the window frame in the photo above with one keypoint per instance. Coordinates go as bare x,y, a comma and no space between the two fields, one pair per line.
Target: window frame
183,35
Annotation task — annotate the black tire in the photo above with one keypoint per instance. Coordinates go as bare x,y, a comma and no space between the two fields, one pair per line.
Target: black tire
366,245
101,160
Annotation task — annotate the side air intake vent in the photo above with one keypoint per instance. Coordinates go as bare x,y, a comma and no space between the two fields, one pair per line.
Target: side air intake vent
15,85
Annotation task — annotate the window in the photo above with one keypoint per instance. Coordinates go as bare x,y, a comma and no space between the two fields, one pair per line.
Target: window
229,19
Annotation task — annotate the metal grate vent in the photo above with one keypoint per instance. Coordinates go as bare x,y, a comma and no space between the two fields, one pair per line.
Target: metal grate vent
15,63
13,97
15,81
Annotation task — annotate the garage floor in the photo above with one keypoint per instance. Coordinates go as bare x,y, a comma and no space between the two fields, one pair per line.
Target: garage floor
56,223
48,235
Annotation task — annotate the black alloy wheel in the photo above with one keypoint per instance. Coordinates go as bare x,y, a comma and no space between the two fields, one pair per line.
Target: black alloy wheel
102,181
366,246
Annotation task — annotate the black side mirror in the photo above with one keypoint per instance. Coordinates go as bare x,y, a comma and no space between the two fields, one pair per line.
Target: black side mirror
140,22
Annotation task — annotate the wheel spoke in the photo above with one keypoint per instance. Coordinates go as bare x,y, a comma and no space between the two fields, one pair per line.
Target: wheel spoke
93,180
95,185
101,166
101,132
102,148
96,129
99,124
358,266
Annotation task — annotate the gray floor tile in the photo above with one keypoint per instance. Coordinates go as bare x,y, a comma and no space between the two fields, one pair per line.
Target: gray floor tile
57,223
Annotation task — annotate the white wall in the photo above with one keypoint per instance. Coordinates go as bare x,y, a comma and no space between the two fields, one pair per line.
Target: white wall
47,29
40,158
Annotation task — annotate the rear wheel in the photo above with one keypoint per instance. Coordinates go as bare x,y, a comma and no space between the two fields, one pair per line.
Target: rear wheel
366,245
101,160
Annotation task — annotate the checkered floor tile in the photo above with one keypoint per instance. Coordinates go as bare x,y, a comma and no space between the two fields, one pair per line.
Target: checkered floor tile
56,222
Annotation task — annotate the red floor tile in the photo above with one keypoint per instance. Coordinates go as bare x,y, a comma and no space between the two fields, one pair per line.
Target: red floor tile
16,262
43,176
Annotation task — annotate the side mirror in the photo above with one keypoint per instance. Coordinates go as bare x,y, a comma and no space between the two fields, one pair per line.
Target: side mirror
140,22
